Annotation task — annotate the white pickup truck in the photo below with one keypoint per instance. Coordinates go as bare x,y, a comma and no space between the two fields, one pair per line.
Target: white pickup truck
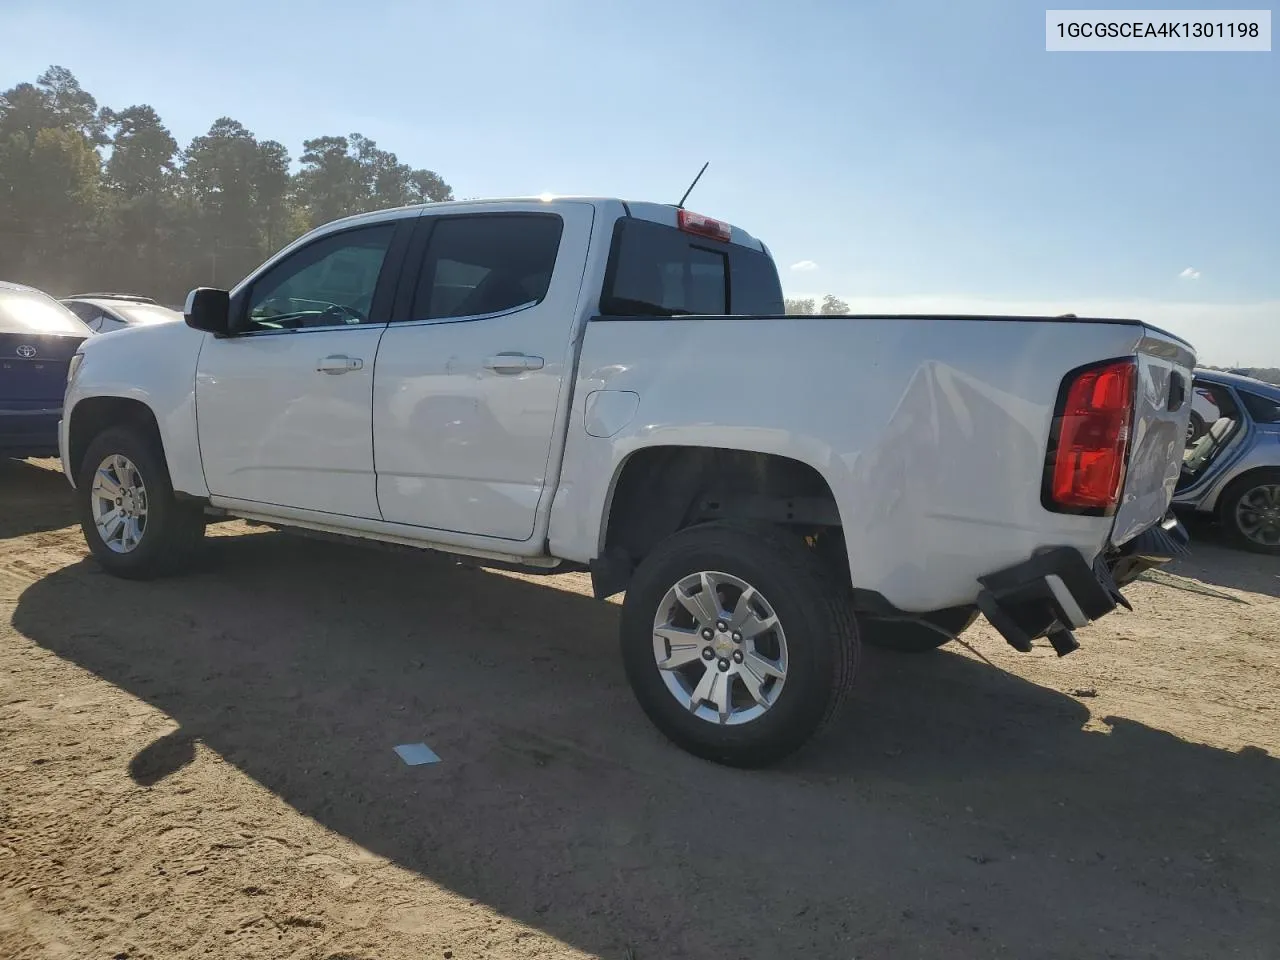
595,384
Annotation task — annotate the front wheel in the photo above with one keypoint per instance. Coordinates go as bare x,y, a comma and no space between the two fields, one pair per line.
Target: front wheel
1250,511
736,643
134,525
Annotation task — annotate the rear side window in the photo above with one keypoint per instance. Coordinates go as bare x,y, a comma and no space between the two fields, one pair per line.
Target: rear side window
34,313
85,311
1260,408
486,263
662,271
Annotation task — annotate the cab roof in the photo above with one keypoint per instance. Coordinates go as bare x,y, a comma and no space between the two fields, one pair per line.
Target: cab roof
664,213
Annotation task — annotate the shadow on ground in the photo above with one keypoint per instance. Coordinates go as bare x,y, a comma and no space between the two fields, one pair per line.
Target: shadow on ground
34,497
1215,561
955,811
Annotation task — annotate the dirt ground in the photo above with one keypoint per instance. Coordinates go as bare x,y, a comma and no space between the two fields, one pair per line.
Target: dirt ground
203,767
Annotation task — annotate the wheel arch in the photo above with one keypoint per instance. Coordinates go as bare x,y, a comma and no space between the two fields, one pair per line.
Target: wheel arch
90,416
1242,479
659,489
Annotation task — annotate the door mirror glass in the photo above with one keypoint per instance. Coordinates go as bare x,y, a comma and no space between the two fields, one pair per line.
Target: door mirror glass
208,309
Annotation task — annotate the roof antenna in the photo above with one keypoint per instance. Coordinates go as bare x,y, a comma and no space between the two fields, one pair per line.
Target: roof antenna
680,205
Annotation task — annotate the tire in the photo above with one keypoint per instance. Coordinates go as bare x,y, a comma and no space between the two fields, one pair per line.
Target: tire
909,637
1256,486
168,537
817,643
1195,428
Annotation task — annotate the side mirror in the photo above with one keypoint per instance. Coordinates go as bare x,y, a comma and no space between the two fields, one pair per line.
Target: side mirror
208,309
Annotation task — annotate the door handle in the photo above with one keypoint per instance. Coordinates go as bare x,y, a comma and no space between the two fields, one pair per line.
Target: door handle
513,363
338,363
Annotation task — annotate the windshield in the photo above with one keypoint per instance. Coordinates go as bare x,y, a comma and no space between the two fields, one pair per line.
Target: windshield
145,313
27,311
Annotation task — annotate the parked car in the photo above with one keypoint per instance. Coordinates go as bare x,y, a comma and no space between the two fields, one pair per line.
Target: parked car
38,337
593,384
105,312
1232,473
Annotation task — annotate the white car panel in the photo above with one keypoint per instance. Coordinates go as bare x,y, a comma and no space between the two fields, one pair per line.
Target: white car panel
931,433
154,365
275,429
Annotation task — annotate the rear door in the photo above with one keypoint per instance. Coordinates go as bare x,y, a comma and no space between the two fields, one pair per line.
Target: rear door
470,371
1161,412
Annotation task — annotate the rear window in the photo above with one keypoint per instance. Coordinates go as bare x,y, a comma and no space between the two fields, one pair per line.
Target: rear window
659,270
34,313
1260,408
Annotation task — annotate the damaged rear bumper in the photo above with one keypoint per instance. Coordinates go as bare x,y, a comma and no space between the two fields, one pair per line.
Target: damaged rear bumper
1057,591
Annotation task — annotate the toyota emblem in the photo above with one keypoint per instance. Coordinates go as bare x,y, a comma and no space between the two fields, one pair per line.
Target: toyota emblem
26,351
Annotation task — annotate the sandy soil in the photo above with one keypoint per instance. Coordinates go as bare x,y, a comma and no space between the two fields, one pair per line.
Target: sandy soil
203,767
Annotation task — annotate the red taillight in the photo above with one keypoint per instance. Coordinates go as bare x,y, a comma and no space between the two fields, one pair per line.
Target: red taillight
703,226
1093,438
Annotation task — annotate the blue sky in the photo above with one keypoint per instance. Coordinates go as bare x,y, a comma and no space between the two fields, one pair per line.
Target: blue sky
920,155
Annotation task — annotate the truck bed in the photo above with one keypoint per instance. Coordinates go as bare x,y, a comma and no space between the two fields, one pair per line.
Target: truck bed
931,431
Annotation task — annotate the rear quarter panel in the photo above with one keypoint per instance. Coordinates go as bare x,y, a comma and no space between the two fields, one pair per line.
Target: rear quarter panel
154,365
931,433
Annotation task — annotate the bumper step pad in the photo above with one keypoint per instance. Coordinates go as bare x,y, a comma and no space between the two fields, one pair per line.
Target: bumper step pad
1058,591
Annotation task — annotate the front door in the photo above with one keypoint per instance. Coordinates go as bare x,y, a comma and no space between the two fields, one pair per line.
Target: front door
469,382
284,407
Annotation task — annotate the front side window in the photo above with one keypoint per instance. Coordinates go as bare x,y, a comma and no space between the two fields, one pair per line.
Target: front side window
487,263
328,283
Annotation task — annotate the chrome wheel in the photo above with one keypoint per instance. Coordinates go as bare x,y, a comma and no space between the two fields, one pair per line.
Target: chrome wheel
1258,515
720,647
118,500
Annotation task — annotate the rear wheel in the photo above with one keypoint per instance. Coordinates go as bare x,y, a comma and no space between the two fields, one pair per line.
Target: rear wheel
907,636
134,525
736,643
1250,511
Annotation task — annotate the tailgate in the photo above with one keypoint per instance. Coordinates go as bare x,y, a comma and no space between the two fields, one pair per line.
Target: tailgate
1161,411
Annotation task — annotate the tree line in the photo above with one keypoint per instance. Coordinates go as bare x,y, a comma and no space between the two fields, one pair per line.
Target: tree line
830,305
94,198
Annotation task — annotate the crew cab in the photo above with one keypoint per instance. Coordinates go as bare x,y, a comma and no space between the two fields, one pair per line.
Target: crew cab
596,384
